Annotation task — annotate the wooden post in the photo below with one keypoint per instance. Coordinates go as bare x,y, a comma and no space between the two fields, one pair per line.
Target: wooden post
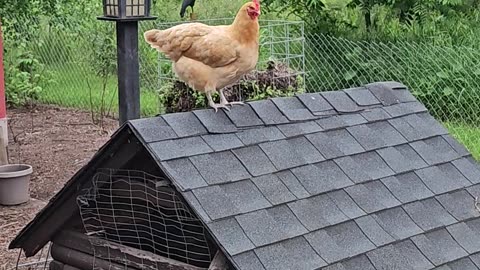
128,71
3,148
3,104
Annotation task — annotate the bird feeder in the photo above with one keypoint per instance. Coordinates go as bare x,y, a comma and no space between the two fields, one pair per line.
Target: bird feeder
126,9
126,14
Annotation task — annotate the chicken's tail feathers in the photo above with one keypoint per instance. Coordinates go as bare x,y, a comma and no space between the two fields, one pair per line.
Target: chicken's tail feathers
151,36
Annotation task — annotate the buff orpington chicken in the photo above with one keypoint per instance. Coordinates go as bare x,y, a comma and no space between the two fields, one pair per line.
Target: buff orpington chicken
210,58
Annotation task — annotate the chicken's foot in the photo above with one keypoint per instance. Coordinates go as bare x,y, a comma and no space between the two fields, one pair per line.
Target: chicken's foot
224,101
214,105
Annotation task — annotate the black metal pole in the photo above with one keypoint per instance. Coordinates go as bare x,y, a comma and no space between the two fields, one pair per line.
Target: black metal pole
128,71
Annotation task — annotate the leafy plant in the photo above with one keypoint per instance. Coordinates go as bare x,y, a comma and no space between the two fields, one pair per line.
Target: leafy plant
25,76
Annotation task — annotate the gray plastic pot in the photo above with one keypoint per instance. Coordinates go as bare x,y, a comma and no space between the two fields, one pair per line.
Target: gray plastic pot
14,183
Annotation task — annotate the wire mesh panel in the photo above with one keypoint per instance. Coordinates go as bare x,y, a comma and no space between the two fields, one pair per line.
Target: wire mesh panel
142,211
445,79
280,68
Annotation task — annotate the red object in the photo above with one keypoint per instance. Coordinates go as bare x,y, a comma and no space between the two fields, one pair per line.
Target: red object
3,105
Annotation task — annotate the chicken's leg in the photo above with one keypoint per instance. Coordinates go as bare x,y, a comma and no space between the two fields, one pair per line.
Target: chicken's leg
213,105
224,101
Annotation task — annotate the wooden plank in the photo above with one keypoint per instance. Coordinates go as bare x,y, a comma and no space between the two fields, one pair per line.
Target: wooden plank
118,253
69,267
3,148
82,260
55,265
219,262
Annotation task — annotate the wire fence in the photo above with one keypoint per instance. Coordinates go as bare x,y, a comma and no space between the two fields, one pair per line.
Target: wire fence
77,67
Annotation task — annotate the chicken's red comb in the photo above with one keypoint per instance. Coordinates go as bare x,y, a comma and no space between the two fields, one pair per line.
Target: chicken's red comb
257,4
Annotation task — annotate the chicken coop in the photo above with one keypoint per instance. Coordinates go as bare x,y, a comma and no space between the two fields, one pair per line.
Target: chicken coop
361,178
280,70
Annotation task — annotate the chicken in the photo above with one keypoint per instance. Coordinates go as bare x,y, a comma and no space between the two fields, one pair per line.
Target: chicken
185,4
210,58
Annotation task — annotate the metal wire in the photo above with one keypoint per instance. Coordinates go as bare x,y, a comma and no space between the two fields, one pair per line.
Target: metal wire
142,211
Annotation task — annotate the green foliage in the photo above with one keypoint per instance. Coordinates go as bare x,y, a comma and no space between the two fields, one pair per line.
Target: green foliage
24,76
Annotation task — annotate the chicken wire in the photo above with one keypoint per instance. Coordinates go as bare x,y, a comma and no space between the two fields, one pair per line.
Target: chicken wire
281,64
445,79
142,211
40,261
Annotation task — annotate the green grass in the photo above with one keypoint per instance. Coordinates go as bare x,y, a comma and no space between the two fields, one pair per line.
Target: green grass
467,135
73,86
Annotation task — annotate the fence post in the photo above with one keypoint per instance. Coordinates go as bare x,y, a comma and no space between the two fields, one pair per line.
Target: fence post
3,105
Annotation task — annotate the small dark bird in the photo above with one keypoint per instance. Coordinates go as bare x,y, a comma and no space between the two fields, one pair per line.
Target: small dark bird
185,4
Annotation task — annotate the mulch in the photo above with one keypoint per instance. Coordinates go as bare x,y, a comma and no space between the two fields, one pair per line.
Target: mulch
57,142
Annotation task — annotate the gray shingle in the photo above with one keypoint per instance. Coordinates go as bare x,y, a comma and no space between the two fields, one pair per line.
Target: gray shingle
220,167
317,212
439,247
341,121
467,234
442,178
222,142
270,225
185,147
460,204
315,102
474,191
375,114
292,183
248,261
365,166
291,153
405,95
384,93
295,129
435,150
402,158
185,124
341,101
273,189
255,160
292,108
469,168
231,236
339,242
215,122
195,204
230,199
268,112
362,96
372,196
476,259
418,126
321,177
397,223
345,203
405,108
374,231
153,129
293,254
407,187
244,116
335,143
400,256
259,135
184,174
456,145
354,170
376,135
356,263
429,214
462,264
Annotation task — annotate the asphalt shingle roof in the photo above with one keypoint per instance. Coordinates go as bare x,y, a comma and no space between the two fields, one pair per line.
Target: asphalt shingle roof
363,178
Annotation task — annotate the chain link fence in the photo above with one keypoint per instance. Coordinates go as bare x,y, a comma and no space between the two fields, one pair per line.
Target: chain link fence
77,68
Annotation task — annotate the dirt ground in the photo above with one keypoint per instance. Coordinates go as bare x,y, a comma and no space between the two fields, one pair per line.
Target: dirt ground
56,142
